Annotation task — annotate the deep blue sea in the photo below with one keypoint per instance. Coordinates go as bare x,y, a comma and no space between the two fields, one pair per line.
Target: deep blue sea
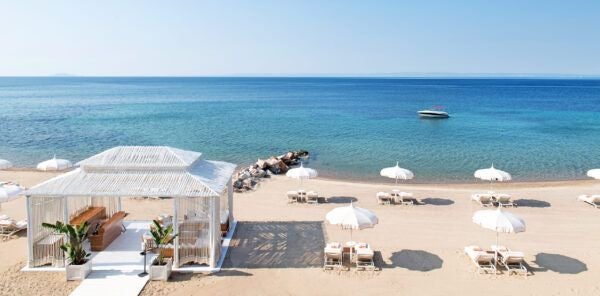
535,129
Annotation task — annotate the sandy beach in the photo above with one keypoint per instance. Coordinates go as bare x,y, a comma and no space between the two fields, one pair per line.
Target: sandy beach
277,248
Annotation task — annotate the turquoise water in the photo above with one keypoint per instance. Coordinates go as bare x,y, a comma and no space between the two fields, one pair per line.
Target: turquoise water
535,129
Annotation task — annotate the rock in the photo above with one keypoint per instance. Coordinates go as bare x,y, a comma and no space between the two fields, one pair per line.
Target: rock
248,183
244,175
238,184
273,161
261,164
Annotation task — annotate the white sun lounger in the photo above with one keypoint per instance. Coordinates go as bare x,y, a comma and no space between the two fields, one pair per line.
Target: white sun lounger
312,197
292,196
383,198
511,260
333,256
364,257
483,199
9,227
593,200
407,198
504,200
482,259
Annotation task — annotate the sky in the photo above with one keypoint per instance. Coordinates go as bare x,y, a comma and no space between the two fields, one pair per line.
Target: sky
287,38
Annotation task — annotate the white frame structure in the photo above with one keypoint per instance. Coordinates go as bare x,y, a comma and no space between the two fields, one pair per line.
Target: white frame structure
196,186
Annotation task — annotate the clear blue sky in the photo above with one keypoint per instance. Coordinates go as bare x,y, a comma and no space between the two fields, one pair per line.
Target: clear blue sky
298,37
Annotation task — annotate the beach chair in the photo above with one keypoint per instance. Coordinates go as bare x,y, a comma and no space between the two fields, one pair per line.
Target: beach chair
383,198
312,197
511,260
482,259
504,200
333,256
406,198
484,199
292,196
10,227
593,200
364,257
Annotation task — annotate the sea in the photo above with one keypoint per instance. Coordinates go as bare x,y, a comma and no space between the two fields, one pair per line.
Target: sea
536,129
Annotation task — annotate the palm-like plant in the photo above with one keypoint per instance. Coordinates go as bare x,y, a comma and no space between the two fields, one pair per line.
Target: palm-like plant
161,236
77,235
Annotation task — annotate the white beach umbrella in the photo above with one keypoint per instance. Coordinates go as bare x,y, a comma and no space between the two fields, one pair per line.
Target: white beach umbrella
5,164
492,174
54,164
9,191
499,221
302,173
351,217
397,173
595,173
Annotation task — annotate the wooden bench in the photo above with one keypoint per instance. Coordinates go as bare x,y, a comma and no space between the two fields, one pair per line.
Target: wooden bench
108,232
92,216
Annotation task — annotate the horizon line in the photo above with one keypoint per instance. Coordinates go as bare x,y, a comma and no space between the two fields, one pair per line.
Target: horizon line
408,75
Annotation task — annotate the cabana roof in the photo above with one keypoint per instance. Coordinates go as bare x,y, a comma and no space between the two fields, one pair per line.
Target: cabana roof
141,171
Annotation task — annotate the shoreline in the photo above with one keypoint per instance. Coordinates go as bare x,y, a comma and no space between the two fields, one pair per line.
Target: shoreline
389,182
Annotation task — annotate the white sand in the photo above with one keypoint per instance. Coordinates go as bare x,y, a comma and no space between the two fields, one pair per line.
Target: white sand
277,249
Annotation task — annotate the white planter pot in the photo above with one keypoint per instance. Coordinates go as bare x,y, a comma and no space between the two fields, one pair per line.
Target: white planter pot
78,272
161,272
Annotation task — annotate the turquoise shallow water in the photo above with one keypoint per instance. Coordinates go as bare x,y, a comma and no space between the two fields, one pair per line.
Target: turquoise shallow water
535,129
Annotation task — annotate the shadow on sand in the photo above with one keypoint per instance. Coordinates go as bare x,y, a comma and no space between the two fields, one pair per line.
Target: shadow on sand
532,203
437,201
558,263
415,260
341,199
276,244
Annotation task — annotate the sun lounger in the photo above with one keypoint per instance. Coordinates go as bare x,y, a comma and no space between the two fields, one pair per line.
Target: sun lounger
292,196
364,257
593,200
406,198
9,227
384,198
511,260
482,259
312,197
504,200
333,256
483,199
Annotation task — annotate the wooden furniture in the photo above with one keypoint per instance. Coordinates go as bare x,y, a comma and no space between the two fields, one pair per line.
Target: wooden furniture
93,216
108,232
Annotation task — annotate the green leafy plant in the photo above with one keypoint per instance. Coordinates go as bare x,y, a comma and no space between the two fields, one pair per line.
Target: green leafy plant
77,234
161,236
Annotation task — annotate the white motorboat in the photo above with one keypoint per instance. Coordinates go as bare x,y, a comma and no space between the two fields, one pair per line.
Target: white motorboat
435,112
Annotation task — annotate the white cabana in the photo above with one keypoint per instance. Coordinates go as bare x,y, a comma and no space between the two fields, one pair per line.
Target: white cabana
397,173
351,217
302,173
5,164
201,190
54,164
595,173
499,221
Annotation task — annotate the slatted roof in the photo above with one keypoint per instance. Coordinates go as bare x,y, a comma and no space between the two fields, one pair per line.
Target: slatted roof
141,171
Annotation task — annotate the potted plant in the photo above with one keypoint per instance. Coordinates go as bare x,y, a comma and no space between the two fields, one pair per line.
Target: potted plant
79,266
161,267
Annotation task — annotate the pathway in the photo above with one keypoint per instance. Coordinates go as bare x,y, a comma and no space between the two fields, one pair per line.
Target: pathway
115,270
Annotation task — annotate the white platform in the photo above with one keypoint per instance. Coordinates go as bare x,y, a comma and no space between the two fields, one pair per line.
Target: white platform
115,270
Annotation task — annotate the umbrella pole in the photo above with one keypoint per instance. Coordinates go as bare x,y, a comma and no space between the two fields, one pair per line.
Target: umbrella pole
496,251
